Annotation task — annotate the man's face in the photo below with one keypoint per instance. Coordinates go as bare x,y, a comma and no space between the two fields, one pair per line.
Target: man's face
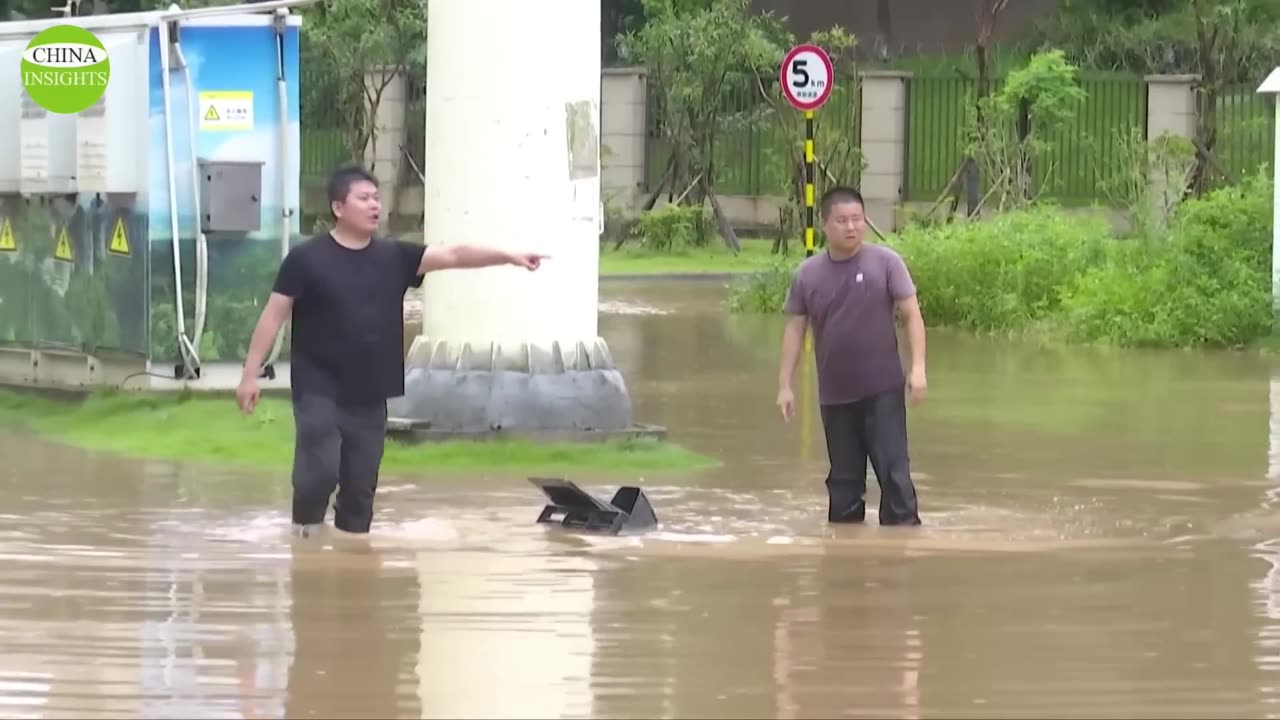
844,225
361,211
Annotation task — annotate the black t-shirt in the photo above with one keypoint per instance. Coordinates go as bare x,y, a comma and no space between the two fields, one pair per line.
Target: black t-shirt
348,316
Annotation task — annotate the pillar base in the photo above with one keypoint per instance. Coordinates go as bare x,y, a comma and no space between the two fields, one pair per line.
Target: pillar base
464,389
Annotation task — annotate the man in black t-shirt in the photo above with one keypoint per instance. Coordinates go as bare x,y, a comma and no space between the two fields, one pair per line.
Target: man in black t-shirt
345,290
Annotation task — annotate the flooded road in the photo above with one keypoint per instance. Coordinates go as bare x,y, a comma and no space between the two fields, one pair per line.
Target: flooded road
1098,542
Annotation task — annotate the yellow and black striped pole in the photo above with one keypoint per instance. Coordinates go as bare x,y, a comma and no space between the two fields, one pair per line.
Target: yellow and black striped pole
808,183
808,201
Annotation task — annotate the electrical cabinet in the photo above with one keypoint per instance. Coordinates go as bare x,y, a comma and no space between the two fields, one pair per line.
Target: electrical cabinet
11,94
47,151
111,135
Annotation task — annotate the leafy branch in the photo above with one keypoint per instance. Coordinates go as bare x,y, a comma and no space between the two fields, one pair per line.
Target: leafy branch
700,56
364,45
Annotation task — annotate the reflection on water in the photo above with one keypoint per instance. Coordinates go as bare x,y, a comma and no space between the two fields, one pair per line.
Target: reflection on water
1101,539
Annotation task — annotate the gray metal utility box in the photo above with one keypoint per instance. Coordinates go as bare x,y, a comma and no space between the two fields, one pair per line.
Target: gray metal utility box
230,196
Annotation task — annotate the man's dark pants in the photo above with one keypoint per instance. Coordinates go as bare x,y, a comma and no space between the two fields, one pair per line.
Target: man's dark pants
875,429
337,446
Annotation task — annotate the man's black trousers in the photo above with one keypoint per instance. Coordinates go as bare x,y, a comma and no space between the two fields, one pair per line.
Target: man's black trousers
337,446
874,429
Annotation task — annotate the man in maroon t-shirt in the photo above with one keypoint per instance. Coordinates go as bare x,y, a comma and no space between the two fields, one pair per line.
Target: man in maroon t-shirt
851,295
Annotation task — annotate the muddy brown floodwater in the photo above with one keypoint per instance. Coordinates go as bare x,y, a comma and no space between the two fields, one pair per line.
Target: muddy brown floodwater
1098,542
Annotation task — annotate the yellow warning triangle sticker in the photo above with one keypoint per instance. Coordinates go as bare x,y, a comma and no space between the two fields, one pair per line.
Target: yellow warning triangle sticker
212,113
7,241
63,251
119,239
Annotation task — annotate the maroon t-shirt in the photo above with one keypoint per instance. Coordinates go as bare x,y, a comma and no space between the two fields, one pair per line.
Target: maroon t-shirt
850,306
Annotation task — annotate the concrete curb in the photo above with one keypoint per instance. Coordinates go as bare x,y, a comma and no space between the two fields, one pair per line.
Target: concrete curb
410,431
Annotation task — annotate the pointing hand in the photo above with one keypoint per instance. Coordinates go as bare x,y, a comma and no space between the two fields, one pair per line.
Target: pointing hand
528,261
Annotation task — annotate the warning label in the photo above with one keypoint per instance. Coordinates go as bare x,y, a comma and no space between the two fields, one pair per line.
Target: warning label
224,110
119,239
8,243
63,250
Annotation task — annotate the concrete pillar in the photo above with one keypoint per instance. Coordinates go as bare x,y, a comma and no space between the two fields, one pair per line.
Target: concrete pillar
382,154
512,159
623,112
1171,105
884,144
1171,110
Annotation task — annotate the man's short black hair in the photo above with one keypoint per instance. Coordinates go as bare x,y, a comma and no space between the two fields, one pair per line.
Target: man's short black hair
343,178
839,194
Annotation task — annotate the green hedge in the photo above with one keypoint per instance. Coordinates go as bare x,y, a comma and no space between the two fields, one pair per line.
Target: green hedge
1205,282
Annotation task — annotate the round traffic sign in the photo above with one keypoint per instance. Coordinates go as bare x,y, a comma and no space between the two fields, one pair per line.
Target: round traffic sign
807,77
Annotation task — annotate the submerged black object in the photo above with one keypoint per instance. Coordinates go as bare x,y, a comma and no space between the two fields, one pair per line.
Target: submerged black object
576,509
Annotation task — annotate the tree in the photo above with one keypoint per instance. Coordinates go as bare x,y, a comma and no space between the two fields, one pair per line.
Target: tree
884,31
617,17
988,12
361,46
1034,101
1119,8
1225,42
1229,35
699,55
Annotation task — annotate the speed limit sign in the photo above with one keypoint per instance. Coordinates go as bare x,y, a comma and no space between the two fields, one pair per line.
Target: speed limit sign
807,77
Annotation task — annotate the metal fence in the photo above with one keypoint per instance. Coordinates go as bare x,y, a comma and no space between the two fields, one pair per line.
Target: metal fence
415,107
937,110
1246,134
324,143
1083,156
752,150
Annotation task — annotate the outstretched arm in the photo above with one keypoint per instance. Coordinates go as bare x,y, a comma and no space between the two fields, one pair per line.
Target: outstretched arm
458,256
